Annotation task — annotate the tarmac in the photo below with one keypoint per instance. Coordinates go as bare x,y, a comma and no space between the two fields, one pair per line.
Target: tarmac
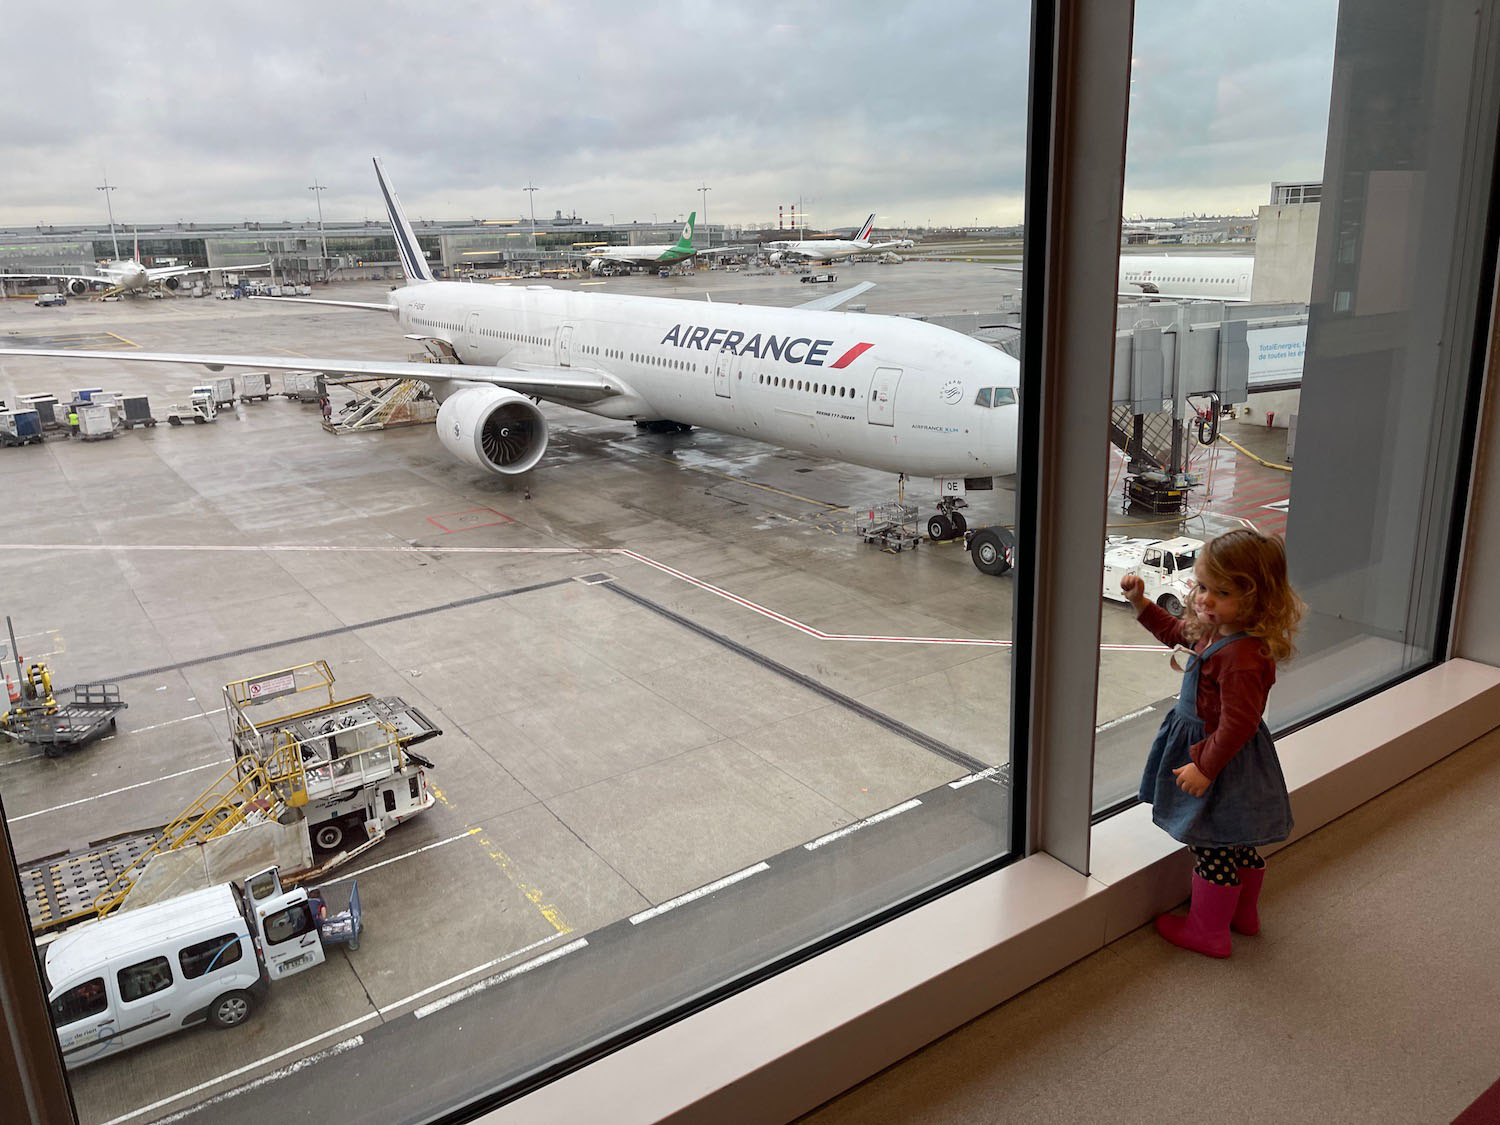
677,690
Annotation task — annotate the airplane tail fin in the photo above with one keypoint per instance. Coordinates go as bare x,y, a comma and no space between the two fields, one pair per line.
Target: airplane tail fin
413,263
685,241
864,231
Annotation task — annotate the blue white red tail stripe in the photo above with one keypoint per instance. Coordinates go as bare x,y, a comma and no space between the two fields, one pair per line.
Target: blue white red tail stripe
413,264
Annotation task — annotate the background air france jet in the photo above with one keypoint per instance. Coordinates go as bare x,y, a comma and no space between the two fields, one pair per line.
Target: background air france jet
897,395
830,249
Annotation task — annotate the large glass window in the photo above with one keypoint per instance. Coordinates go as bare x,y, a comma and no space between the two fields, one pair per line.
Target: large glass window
1315,404
724,678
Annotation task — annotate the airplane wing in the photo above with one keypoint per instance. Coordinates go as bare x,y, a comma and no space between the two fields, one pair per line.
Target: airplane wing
337,304
181,271
562,384
94,277
833,300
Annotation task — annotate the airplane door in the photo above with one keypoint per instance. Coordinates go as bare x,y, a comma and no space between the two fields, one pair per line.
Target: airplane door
564,345
472,331
722,368
883,396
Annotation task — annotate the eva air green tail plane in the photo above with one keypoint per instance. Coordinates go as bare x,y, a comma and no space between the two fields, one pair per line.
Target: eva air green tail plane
610,258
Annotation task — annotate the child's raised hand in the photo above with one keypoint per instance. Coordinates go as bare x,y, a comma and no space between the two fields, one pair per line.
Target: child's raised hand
1191,780
1133,588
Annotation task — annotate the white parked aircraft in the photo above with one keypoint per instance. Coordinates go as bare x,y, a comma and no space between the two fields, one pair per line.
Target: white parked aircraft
1182,276
1219,278
830,249
897,395
127,275
647,256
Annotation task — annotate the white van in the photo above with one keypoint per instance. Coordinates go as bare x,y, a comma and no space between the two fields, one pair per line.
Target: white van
205,956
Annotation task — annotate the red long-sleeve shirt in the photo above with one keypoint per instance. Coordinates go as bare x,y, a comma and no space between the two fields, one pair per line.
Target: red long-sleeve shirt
1232,689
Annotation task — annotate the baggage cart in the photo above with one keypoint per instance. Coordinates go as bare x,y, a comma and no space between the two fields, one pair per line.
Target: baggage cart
136,411
95,423
20,427
57,727
255,385
340,918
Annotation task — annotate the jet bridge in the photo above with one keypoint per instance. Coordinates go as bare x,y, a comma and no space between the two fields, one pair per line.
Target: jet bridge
1178,365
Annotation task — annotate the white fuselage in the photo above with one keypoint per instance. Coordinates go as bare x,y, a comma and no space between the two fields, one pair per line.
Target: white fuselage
822,249
125,273
884,392
1187,275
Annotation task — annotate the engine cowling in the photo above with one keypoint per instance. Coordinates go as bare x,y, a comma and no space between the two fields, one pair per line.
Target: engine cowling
78,287
492,428
172,283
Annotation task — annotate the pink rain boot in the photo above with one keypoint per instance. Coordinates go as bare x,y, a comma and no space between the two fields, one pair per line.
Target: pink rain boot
1246,919
1206,928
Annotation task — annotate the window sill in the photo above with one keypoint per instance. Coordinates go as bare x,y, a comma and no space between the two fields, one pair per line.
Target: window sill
786,1045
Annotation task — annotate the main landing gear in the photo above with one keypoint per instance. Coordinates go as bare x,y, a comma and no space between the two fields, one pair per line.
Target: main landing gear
947,522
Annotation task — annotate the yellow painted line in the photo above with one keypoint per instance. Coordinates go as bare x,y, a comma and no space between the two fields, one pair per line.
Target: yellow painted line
507,865
123,340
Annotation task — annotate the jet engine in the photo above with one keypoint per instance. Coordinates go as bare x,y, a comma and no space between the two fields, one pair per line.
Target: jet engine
775,259
492,428
172,283
78,287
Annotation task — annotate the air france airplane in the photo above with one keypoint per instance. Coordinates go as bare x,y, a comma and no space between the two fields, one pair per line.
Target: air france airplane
888,393
828,249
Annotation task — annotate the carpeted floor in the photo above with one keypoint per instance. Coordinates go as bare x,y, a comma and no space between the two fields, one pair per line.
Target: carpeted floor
1371,995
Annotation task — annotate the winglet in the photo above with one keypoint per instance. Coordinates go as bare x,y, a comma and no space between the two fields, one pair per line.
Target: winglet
413,263
685,241
864,231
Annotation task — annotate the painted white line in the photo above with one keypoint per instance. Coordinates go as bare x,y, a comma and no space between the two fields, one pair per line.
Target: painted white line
246,1069
18,761
973,777
405,855
745,603
500,978
468,973
264,1080
858,824
170,722
706,889
1124,719
219,765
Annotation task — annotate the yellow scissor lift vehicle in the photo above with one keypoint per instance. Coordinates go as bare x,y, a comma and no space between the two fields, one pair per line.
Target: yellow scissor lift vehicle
314,781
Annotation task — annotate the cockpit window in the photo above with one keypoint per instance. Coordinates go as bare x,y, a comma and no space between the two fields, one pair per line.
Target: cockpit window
995,396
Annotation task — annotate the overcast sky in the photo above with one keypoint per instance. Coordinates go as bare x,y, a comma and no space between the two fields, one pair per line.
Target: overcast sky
230,110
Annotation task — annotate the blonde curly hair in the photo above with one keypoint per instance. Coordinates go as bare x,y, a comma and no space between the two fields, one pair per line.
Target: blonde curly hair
1254,567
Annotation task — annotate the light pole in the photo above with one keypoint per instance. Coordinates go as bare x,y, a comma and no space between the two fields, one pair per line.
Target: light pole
708,234
531,195
318,189
106,188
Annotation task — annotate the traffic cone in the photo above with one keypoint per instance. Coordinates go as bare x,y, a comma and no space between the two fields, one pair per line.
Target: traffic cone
10,690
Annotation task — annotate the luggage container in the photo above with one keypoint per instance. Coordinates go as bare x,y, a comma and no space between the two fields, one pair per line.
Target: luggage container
220,390
45,407
86,394
20,427
136,411
95,422
255,385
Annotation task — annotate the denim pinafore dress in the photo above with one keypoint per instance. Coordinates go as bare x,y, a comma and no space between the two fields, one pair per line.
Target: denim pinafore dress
1247,804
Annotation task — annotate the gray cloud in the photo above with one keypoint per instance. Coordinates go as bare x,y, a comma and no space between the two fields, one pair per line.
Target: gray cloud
228,111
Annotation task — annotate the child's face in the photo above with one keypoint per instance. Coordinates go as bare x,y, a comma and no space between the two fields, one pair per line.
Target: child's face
1216,603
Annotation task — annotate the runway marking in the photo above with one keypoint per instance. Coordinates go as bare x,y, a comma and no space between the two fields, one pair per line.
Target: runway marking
907,806
391,1007
171,722
500,978
706,889
982,775
404,855
533,894
1123,719
265,1079
718,591
191,1090
220,765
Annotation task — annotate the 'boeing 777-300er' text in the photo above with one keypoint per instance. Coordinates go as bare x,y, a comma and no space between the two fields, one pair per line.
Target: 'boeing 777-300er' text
888,393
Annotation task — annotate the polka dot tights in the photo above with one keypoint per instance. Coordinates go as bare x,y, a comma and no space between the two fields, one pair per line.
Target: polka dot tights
1219,865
